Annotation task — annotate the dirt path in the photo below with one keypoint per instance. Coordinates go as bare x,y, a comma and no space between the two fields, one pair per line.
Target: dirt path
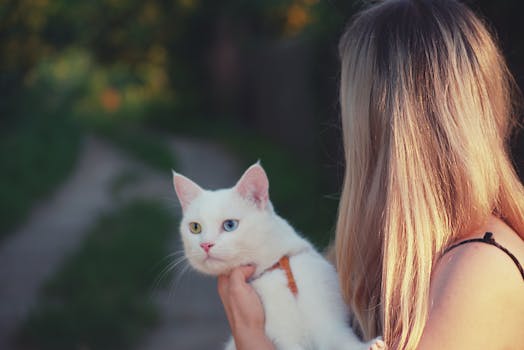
192,318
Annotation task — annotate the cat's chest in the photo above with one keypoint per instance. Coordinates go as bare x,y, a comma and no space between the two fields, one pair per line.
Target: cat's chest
273,286
281,306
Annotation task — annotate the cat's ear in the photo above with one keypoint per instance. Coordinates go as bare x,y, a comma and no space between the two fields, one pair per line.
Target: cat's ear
186,190
254,186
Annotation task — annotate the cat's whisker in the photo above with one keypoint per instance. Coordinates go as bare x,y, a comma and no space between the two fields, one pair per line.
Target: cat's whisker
175,282
175,263
169,268
177,252
171,255
160,278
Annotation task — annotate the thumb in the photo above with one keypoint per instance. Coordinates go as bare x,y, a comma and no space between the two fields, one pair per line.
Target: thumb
243,273
248,270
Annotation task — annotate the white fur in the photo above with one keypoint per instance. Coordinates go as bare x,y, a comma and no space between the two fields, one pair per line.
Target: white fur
313,319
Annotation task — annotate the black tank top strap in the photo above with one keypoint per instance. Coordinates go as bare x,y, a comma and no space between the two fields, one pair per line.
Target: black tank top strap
488,239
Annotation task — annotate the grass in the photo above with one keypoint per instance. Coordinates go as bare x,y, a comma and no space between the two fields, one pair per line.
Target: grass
145,146
99,299
122,181
36,154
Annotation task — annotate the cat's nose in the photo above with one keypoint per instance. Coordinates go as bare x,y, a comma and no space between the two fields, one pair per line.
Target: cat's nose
206,246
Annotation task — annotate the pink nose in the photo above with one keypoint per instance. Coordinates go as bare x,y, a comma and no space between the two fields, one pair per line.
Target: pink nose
206,246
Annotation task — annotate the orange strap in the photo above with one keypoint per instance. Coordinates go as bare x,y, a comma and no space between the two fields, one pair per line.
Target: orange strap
283,264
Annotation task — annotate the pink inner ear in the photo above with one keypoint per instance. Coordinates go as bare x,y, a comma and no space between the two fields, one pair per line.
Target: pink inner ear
254,186
186,190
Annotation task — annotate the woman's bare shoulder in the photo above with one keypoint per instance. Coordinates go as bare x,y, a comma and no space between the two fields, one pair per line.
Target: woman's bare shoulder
476,296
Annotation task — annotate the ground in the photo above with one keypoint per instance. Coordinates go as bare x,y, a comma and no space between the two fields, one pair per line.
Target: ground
191,313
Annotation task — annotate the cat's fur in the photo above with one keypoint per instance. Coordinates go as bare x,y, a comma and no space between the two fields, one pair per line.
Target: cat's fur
313,319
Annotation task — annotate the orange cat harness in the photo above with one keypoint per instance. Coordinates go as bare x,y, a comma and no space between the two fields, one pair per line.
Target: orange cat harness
283,264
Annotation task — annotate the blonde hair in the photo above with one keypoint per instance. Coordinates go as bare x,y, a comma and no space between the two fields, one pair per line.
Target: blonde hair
426,105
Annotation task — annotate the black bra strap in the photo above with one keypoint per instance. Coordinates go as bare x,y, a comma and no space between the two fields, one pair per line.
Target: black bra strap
488,238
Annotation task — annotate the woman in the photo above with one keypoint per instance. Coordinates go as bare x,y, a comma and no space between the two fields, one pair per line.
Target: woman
426,104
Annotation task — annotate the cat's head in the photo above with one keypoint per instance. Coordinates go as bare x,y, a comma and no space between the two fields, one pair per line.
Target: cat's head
223,229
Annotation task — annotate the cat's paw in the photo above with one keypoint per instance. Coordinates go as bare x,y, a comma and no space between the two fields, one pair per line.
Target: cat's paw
230,345
377,344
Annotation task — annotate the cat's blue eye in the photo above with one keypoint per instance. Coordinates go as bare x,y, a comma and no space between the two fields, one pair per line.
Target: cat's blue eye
230,225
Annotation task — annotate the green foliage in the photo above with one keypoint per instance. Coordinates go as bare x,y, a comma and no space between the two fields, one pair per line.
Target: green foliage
99,299
112,101
175,38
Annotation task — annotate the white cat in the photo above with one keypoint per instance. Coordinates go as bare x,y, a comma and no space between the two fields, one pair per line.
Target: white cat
226,228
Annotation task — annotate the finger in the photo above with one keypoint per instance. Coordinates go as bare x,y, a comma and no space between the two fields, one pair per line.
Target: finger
236,279
247,271
222,285
378,345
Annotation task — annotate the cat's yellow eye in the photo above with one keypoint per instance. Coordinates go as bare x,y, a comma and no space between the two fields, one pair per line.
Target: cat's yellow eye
195,228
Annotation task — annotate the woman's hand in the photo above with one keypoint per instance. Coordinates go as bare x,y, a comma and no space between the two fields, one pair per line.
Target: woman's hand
243,309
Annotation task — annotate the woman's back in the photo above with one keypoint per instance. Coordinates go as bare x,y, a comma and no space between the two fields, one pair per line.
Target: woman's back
476,294
428,106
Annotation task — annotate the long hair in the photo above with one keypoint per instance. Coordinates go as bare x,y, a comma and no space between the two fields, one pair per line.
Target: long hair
426,106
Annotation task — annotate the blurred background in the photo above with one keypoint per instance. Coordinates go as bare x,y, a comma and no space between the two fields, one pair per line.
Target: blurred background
100,99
